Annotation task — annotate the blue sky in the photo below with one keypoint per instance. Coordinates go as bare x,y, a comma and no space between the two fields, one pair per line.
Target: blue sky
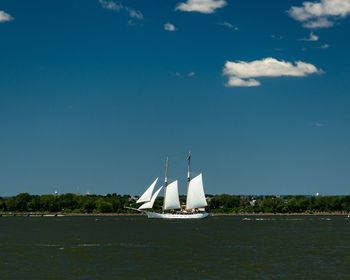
94,95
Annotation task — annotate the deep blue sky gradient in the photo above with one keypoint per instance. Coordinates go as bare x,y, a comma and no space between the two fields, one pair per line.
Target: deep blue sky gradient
89,103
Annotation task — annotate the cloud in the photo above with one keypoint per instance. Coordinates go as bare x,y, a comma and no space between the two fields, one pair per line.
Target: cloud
110,5
169,27
320,14
278,37
134,13
201,6
318,23
243,74
324,46
114,6
317,124
228,25
189,74
312,38
238,82
4,17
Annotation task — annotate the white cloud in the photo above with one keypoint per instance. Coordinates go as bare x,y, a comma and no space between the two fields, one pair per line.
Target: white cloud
134,13
238,82
312,38
320,14
228,25
110,5
278,37
189,74
318,124
318,23
324,46
243,73
114,6
201,6
4,17
169,27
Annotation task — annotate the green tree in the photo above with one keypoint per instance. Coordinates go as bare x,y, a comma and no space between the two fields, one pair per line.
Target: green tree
104,206
19,202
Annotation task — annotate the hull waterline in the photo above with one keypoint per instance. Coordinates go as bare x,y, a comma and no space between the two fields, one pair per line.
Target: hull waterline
155,215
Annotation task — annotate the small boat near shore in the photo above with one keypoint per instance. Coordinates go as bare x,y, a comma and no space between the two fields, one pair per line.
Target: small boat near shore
172,209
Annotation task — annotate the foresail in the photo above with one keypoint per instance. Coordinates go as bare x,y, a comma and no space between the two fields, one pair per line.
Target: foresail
195,194
171,199
149,204
147,195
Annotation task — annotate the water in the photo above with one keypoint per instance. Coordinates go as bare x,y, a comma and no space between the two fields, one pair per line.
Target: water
281,247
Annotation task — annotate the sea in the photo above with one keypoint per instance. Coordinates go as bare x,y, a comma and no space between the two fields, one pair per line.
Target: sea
219,247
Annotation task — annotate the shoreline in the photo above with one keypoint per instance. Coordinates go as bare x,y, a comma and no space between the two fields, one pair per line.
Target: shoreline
282,214
25,214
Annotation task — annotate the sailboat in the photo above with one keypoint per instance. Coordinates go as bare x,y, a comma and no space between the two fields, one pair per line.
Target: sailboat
172,209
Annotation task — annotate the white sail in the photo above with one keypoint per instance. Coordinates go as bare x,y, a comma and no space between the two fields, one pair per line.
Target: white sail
149,204
195,194
171,198
147,195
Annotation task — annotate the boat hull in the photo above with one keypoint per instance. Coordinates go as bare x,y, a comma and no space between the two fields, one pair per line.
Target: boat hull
155,215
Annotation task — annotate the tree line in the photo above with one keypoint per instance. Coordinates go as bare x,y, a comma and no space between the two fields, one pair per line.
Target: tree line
115,203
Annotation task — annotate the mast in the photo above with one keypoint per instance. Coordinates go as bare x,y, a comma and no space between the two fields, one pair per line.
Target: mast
165,179
188,173
195,192
189,168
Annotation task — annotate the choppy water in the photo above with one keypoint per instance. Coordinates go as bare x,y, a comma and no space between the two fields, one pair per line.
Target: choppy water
279,247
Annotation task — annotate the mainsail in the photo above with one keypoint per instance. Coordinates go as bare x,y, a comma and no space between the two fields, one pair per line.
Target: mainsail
195,193
147,195
171,197
149,204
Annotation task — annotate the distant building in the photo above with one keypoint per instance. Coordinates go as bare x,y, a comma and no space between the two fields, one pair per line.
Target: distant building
252,202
